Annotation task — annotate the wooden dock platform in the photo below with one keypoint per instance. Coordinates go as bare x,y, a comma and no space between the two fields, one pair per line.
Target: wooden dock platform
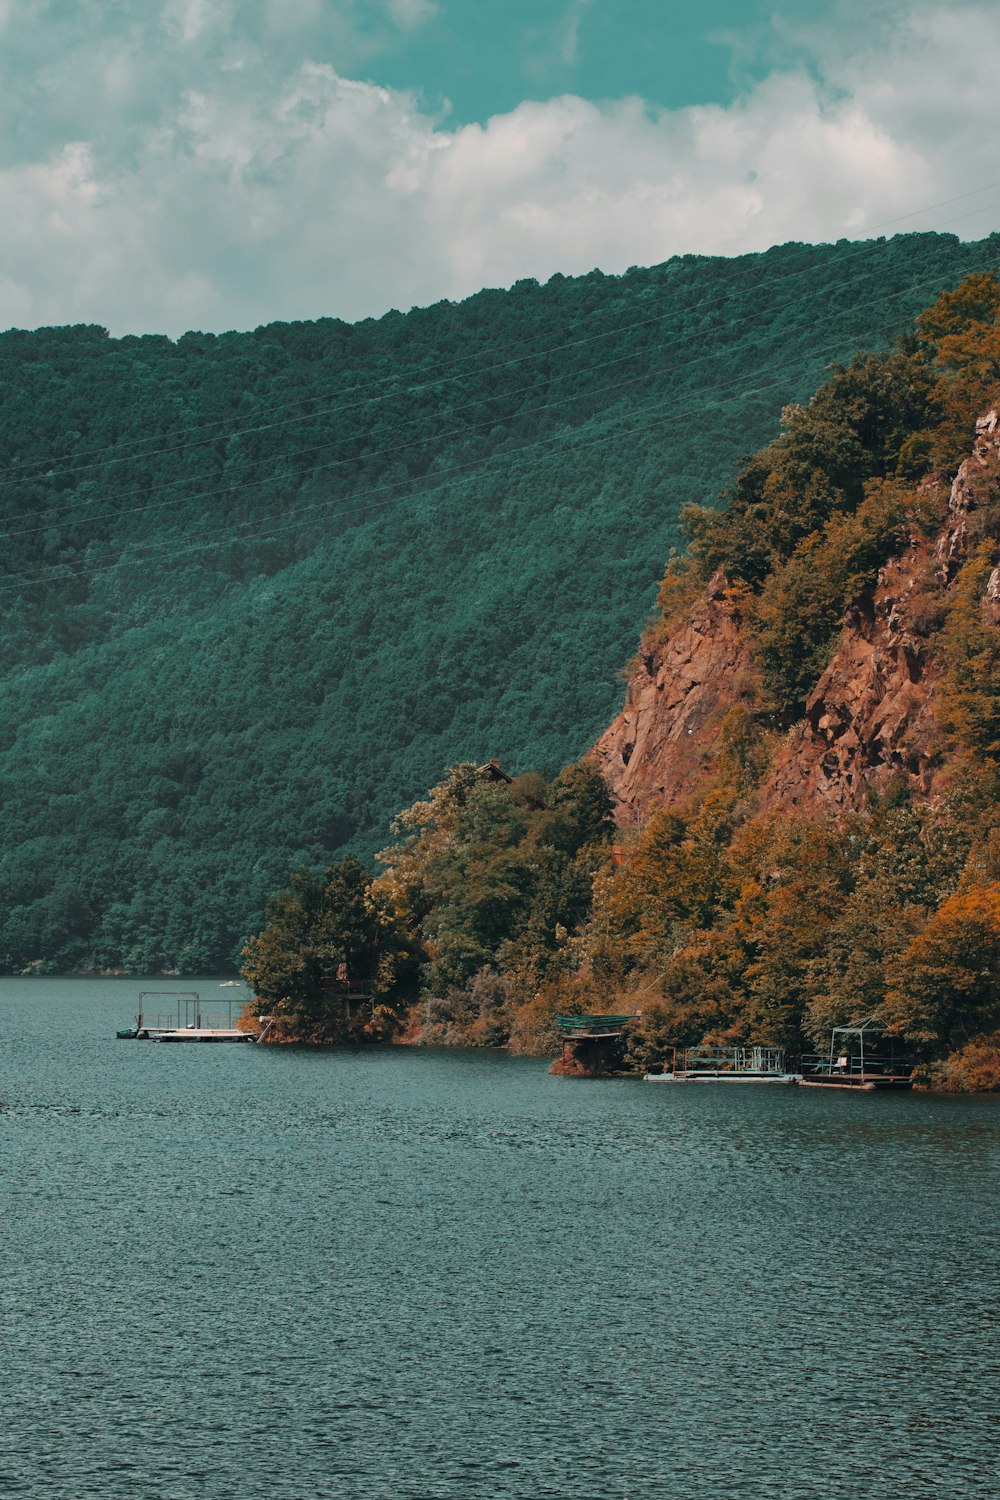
186,1022
726,1065
722,1076
864,1056
205,1034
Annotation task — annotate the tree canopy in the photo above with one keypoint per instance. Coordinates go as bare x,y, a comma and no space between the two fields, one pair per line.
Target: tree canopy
262,587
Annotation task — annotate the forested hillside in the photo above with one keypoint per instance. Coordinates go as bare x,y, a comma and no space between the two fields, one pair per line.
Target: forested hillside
261,588
805,776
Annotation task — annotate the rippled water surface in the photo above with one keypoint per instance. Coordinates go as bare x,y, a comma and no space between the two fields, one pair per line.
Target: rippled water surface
242,1272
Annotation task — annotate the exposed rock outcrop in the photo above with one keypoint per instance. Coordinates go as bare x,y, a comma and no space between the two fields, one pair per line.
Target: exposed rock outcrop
975,485
589,1057
658,750
872,713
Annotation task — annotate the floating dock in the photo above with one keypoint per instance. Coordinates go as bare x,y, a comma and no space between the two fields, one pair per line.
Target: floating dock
862,1056
704,1075
193,1027
727,1065
202,1034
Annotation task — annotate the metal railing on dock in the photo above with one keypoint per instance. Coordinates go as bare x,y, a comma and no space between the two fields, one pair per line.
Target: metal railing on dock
186,1022
730,1059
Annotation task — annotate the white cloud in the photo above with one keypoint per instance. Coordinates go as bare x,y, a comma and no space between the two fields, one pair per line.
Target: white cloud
190,20
569,47
409,13
229,195
553,47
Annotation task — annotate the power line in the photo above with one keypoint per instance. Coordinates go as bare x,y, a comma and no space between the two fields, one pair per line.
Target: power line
20,476
428,384
696,337
291,519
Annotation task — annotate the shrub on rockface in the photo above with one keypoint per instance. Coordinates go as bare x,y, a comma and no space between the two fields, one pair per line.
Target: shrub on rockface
960,334
970,644
830,450
800,611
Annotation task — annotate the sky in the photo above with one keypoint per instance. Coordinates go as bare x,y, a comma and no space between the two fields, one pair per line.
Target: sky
217,164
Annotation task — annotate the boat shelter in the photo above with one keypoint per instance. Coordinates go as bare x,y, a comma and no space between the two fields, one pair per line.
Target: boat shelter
863,1055
591,1045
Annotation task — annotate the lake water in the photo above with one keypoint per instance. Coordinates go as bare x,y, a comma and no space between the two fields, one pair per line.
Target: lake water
249,1273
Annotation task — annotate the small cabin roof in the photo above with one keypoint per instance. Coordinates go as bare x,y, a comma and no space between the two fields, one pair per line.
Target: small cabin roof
494,771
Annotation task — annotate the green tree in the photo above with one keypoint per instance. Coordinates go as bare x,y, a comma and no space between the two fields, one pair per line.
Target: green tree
324,930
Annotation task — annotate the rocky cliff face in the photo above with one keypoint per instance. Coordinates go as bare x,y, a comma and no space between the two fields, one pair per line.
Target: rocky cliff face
658,751
872,713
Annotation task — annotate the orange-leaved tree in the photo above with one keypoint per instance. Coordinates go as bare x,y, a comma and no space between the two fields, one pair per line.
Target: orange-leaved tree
961,330
948,989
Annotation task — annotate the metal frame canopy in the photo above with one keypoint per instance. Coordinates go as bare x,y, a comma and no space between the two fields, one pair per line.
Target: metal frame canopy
871,1026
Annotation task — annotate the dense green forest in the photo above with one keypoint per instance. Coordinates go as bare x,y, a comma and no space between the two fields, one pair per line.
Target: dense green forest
725,919
262,587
